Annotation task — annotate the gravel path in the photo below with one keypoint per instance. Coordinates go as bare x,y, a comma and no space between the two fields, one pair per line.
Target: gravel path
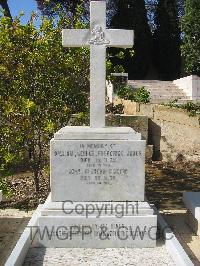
38,256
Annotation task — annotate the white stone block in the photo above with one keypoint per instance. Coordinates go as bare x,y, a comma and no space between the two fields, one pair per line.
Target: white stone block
192,203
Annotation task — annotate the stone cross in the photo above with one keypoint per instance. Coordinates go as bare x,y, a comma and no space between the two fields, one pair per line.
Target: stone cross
97,38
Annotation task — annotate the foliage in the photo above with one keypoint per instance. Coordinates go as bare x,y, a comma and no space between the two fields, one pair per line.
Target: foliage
41,85
191,40
173,103
54,7
48,6
125,92
5,7
4,187
167,55
113,109
81,119
192,108
151,6
133,15
140,95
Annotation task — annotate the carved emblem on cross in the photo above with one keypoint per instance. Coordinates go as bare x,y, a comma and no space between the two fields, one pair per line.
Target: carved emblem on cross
98,36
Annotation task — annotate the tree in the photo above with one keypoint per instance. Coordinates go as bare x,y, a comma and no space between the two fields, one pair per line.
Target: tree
6,9
133,15
181,8
45,5
52,7
41,86
167,40
151,6
191,39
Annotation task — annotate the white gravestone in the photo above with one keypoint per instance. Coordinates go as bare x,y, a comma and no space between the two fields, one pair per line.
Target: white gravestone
97,38
97,172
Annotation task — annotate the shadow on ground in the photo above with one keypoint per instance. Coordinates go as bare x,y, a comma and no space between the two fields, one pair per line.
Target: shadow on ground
166,182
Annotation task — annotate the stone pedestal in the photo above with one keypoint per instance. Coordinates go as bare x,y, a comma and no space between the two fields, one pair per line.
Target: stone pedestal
97,224
97,191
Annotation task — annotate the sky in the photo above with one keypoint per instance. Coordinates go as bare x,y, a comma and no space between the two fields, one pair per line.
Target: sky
22,5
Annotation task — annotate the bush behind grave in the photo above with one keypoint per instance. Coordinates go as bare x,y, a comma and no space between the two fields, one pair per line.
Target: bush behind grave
140,95
41,85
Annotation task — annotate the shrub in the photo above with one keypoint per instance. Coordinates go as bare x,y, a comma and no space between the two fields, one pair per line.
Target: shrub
192,108
41,85
140,95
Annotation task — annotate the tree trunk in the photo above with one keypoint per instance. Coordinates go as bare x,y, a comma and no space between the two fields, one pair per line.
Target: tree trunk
37,184
4,5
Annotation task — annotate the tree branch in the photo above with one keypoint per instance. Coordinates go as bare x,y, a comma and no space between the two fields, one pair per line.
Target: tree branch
4,5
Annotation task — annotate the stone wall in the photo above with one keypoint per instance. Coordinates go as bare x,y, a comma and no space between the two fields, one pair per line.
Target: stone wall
172,132
138,123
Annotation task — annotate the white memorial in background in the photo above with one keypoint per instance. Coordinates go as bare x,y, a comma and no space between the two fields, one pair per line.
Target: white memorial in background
97,172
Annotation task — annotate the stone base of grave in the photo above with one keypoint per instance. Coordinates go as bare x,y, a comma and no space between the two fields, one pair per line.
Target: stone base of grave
97,225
